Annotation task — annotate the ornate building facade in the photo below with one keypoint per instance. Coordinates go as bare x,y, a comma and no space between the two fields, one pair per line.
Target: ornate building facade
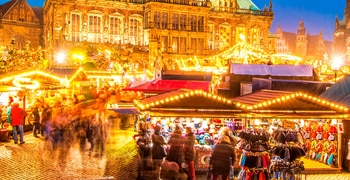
306,46
20,24
341,45
154,31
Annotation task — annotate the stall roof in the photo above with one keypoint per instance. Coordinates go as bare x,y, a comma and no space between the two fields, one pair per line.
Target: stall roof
187,100
267,103
272,70
311,87
72,74
161,86
186,75
288,102
339,92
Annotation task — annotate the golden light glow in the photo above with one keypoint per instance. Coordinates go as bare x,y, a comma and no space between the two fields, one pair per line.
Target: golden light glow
26,83
243,106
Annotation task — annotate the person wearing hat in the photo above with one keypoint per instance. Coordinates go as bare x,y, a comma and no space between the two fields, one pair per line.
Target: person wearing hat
222,158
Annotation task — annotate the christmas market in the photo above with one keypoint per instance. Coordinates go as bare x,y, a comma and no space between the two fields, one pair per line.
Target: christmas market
172,90
266,110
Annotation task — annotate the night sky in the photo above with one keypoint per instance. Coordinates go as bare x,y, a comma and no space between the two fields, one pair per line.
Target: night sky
317,15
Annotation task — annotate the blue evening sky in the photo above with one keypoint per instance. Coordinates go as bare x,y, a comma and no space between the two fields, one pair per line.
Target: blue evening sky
317,15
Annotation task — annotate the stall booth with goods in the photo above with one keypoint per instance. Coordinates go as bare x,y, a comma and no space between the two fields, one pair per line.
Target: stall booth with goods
298,121
340,93
267,122
204,112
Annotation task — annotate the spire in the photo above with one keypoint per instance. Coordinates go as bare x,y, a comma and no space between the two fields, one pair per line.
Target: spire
279,29
301,28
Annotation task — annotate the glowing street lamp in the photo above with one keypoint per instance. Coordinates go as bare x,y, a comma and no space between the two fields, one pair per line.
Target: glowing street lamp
61,57
337,63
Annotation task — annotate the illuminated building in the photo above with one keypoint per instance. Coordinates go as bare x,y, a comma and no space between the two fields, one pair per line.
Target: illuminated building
20,22
155,32
302,44
341,45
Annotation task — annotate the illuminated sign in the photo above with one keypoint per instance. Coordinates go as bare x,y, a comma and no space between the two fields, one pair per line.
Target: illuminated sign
26,83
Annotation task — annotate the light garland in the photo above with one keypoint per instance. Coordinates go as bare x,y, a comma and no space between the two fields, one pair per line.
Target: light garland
284,98
243,106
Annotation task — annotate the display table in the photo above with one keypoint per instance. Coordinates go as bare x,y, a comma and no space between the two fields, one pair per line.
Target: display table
201,162
202,159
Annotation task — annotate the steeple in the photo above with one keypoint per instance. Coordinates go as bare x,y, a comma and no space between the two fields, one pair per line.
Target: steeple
279,29
301,28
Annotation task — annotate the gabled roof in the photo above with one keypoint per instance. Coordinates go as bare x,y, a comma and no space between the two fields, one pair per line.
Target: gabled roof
44,79
161,86
184,101
339,92
38,11
58,78
284,100
8,7
265,103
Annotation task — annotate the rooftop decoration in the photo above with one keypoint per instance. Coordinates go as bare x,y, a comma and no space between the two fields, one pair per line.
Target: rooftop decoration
263,101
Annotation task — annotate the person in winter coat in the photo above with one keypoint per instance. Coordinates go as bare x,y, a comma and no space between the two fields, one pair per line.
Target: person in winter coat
158,153
46,120
36,119
189,152
225,131
17,120
144,151
176,143
222,158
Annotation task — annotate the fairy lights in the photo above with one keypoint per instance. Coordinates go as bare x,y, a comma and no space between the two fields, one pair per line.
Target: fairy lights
240,105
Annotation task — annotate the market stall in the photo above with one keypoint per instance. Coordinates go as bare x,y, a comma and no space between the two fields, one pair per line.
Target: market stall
259,109
306,114
203,111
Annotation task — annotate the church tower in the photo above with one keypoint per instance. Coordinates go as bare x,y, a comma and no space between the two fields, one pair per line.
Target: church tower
341,42
301,40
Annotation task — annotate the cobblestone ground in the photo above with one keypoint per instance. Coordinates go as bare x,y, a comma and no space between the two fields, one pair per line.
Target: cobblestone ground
34,160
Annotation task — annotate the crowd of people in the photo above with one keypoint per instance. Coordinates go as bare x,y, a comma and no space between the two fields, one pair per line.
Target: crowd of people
176,153
62,125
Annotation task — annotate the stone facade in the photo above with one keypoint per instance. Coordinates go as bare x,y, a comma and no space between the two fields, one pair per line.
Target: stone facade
179,29
302,44
138,30
20,23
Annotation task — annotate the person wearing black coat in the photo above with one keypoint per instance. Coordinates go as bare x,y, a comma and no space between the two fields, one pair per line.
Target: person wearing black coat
189,153
222,158
176,145
158,153
36,119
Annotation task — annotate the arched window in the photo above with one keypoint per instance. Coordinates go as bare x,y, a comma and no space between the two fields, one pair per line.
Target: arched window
116,28
94,27
75,25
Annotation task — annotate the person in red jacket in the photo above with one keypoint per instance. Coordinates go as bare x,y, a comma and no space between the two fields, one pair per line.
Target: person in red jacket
17,120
